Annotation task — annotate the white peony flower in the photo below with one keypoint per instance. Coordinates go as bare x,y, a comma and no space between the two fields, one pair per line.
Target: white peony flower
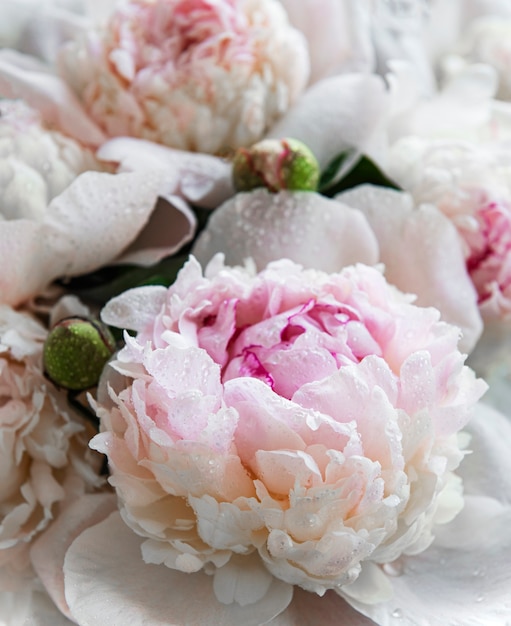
36,163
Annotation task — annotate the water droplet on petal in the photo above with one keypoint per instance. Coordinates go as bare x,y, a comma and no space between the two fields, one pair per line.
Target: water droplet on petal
398,613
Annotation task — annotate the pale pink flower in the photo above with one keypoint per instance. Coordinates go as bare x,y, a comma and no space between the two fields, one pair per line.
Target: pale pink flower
45,462
285,428
471,185
196,75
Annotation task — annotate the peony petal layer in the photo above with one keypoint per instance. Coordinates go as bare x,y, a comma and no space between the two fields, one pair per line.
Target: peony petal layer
422,255
108,583
22,77
463,578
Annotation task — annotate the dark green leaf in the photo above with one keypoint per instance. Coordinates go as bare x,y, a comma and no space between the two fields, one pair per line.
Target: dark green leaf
363,171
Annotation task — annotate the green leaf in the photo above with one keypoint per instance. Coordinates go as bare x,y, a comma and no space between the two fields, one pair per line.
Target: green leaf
100,286
349,169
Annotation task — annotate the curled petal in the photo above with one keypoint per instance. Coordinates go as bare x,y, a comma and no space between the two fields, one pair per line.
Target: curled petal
202,179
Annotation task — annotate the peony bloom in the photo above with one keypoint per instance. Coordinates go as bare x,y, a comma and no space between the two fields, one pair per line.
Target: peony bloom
285,428
195,75
36,163
472,187
419,248
44,463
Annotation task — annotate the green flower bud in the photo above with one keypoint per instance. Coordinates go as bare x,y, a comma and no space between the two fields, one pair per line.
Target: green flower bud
276,164
76,351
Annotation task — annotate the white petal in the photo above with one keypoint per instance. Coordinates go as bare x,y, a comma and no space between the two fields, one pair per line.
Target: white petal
304,227
49,95
463,578
466,586
48,551
134,308
171,225
486,470
338,34
28,263
202,179
98,216
243,580
422,254
108,583
309,609
337,113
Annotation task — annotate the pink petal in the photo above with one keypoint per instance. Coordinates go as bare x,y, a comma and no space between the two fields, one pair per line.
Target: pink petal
338,113
202,179
108,583
304,227
59,107
422,254
49,550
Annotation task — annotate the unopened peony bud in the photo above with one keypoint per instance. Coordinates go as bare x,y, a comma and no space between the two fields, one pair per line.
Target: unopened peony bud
76,352
276,164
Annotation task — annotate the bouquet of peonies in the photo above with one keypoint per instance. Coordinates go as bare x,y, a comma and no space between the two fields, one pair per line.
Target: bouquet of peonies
255,313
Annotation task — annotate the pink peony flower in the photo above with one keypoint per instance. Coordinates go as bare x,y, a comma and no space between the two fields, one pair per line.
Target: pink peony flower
45,462
191,74
471,185
286,428
419,248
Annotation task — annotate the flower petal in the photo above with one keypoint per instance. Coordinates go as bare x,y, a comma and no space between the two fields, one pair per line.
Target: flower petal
106,562
136,308
338,34
422,254
27,263
48,551
337,113
171,225
202,179
98,216
21,77
304,227
463,578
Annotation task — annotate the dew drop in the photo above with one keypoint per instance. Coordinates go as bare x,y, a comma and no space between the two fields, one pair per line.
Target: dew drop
398,613
480,598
